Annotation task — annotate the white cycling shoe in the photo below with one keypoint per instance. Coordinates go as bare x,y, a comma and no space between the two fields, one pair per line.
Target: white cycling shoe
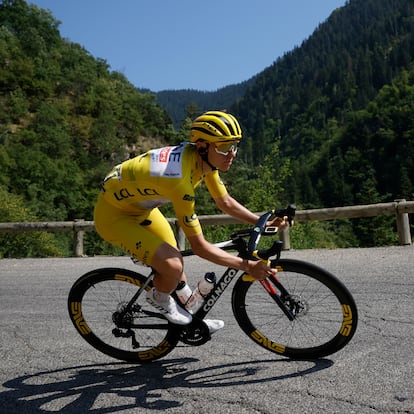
214,325
179,316
175,314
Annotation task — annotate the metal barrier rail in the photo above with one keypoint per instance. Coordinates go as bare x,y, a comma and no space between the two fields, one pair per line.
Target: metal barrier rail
401,209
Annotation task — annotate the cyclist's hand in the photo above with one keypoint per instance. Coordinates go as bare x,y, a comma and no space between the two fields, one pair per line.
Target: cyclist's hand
259,270
280,223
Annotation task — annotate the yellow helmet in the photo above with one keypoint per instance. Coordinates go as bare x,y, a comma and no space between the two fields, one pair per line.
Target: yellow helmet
215,126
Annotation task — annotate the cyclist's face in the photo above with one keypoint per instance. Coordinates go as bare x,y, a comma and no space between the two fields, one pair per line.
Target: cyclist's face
221,156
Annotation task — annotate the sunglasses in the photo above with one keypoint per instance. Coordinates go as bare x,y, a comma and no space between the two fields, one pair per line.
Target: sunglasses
225,147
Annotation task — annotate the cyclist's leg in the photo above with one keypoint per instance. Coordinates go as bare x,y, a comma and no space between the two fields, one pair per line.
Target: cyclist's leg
165,258
147,238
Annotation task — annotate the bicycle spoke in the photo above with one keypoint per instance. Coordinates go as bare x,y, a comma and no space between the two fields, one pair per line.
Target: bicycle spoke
101,310
100,303
314,298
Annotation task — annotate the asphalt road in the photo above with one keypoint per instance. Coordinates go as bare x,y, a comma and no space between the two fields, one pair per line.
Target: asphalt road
46,367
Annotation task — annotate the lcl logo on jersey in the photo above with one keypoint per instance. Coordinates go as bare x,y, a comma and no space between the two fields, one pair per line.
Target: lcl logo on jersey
190,221
122,194
148,192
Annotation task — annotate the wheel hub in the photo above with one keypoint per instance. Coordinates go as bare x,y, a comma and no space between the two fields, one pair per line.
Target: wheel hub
122,318
297,306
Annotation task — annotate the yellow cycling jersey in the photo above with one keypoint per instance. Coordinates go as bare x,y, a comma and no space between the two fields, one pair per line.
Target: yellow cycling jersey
160,176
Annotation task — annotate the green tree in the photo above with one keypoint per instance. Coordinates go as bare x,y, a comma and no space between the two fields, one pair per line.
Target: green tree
267,189
12,209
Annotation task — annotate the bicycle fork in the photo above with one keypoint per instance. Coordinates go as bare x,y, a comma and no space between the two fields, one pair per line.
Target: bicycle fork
272,284
281,299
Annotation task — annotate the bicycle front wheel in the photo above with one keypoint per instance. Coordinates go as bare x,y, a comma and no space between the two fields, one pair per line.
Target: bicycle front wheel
323,315
100,310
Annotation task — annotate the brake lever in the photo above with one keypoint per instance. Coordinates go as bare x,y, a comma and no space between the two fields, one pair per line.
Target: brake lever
288,212
260,227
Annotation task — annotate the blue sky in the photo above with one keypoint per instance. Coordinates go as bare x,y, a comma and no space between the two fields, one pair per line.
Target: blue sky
188,44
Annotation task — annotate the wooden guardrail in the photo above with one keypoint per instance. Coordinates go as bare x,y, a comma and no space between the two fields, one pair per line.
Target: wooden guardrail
400,208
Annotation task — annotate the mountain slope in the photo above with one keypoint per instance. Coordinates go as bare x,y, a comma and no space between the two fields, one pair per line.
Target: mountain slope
340,68
177,102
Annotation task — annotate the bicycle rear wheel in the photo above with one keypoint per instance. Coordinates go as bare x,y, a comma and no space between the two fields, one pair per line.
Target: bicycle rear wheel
98,308
324,312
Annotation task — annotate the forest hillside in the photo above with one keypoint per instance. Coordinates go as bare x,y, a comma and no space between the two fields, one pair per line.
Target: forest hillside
337,111
328,124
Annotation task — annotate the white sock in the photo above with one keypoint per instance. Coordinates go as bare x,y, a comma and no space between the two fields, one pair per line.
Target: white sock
161,296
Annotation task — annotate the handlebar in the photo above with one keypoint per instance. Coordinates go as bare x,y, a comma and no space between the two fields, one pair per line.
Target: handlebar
257,231
246,249
260,229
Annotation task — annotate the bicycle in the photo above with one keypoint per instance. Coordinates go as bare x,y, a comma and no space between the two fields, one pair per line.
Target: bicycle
302,312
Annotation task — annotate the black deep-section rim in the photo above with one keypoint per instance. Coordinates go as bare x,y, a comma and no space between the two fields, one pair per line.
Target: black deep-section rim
350,320
76,296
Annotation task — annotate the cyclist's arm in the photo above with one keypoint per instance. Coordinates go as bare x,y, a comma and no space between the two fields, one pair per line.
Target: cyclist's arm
201,247
230,206
227,204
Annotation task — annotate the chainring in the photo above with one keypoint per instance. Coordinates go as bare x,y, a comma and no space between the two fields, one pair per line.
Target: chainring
196,333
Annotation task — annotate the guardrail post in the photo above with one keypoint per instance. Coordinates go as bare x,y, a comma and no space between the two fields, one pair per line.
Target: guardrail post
180,236
284,236
78,239
403,225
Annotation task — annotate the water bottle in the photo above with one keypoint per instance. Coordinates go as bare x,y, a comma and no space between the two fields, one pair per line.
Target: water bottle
183,292
203,288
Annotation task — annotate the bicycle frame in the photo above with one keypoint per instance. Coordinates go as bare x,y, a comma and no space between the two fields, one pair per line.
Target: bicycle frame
215,294
220,286
230,273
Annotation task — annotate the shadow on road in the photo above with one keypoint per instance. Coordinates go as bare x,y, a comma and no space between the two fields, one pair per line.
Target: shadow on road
115,387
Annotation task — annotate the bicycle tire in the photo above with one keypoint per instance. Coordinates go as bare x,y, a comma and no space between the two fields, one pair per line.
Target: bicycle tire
325,325
95,302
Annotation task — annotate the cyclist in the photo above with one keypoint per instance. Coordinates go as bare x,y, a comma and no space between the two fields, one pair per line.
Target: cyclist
127,214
